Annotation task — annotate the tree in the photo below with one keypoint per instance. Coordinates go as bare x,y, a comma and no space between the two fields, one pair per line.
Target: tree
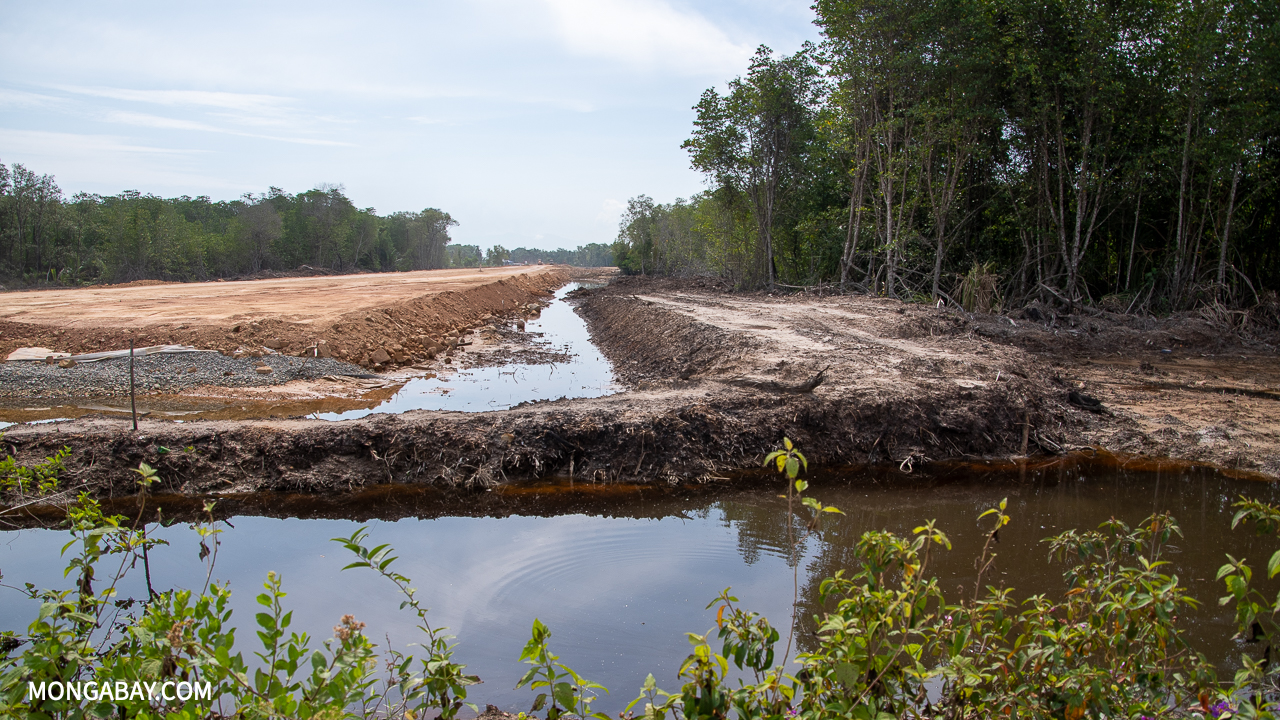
752,140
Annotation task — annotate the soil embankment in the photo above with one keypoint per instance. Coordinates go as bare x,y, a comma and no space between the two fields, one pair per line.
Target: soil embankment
357,318
719,378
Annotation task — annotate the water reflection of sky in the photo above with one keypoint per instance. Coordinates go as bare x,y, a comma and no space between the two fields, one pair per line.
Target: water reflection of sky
619,589
587,374
618,594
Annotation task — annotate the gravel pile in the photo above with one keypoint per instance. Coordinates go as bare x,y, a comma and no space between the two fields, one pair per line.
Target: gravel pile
170,373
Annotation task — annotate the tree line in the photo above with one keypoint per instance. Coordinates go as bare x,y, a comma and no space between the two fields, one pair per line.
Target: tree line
1077,152
46,237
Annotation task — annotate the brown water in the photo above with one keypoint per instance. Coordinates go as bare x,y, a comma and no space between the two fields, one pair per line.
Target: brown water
585,373
620,573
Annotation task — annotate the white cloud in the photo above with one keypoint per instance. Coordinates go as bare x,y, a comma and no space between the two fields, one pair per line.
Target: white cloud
648,34
41,142
26,100
165,123
155,121
83,161
611,210
244,102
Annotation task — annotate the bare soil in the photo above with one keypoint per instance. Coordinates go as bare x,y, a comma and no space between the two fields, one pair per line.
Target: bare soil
350,317
717,379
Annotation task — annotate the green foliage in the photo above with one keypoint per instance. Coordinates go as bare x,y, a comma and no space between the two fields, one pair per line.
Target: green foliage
39,479
441,684
888,643
1257,615
589,255
566,693
1071,149
46,238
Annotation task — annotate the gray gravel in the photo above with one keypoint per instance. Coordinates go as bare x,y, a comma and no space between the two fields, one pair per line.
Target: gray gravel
161,373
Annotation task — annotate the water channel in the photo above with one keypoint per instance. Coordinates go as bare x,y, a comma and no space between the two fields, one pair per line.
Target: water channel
580,371
620,573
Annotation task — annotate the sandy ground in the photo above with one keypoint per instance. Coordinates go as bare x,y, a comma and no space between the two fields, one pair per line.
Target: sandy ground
717,379
407,316
308,300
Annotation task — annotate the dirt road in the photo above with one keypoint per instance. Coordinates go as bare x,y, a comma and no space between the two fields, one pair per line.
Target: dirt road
348,316
717,379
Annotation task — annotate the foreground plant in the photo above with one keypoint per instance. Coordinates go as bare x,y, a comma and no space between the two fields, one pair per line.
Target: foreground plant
566,693
441,685
888,644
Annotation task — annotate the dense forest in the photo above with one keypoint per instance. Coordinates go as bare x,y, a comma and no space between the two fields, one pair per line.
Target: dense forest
589,255
47,238
1120,152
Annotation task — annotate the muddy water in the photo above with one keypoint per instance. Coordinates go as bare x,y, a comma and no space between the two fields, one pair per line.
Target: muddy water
621,573
585,374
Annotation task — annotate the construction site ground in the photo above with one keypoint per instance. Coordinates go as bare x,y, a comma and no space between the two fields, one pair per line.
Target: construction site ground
715,380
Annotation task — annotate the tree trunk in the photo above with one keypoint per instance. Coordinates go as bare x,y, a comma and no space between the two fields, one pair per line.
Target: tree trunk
1226,232
1179,234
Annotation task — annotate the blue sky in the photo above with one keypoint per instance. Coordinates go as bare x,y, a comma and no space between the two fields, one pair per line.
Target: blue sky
531,121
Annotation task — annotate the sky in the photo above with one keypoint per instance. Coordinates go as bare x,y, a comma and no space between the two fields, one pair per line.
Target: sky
530,121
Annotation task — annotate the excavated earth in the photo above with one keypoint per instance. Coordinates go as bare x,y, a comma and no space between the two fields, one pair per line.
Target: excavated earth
407,316
716,379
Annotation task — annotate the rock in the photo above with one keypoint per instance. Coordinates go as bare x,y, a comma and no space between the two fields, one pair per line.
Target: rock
322,350
380,356
235,328
66,363
400,356
263,370
273,343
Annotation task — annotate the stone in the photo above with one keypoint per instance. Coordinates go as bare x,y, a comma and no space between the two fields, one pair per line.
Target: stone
380,356
400,356
66,363
323,351
273,343
263,370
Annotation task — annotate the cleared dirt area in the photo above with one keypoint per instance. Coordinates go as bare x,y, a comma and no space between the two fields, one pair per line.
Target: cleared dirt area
717,379
350,317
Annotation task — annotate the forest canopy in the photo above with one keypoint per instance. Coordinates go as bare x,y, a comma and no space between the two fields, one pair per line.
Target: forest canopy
47,238
1121,152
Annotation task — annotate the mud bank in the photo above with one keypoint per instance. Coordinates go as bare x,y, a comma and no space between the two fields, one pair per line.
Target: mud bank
718,379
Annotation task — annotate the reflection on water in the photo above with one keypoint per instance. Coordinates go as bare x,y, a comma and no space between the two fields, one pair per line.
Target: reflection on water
586,374
621,573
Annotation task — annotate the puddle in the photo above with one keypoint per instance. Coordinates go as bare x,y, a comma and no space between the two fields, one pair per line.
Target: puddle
620,573
585,374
